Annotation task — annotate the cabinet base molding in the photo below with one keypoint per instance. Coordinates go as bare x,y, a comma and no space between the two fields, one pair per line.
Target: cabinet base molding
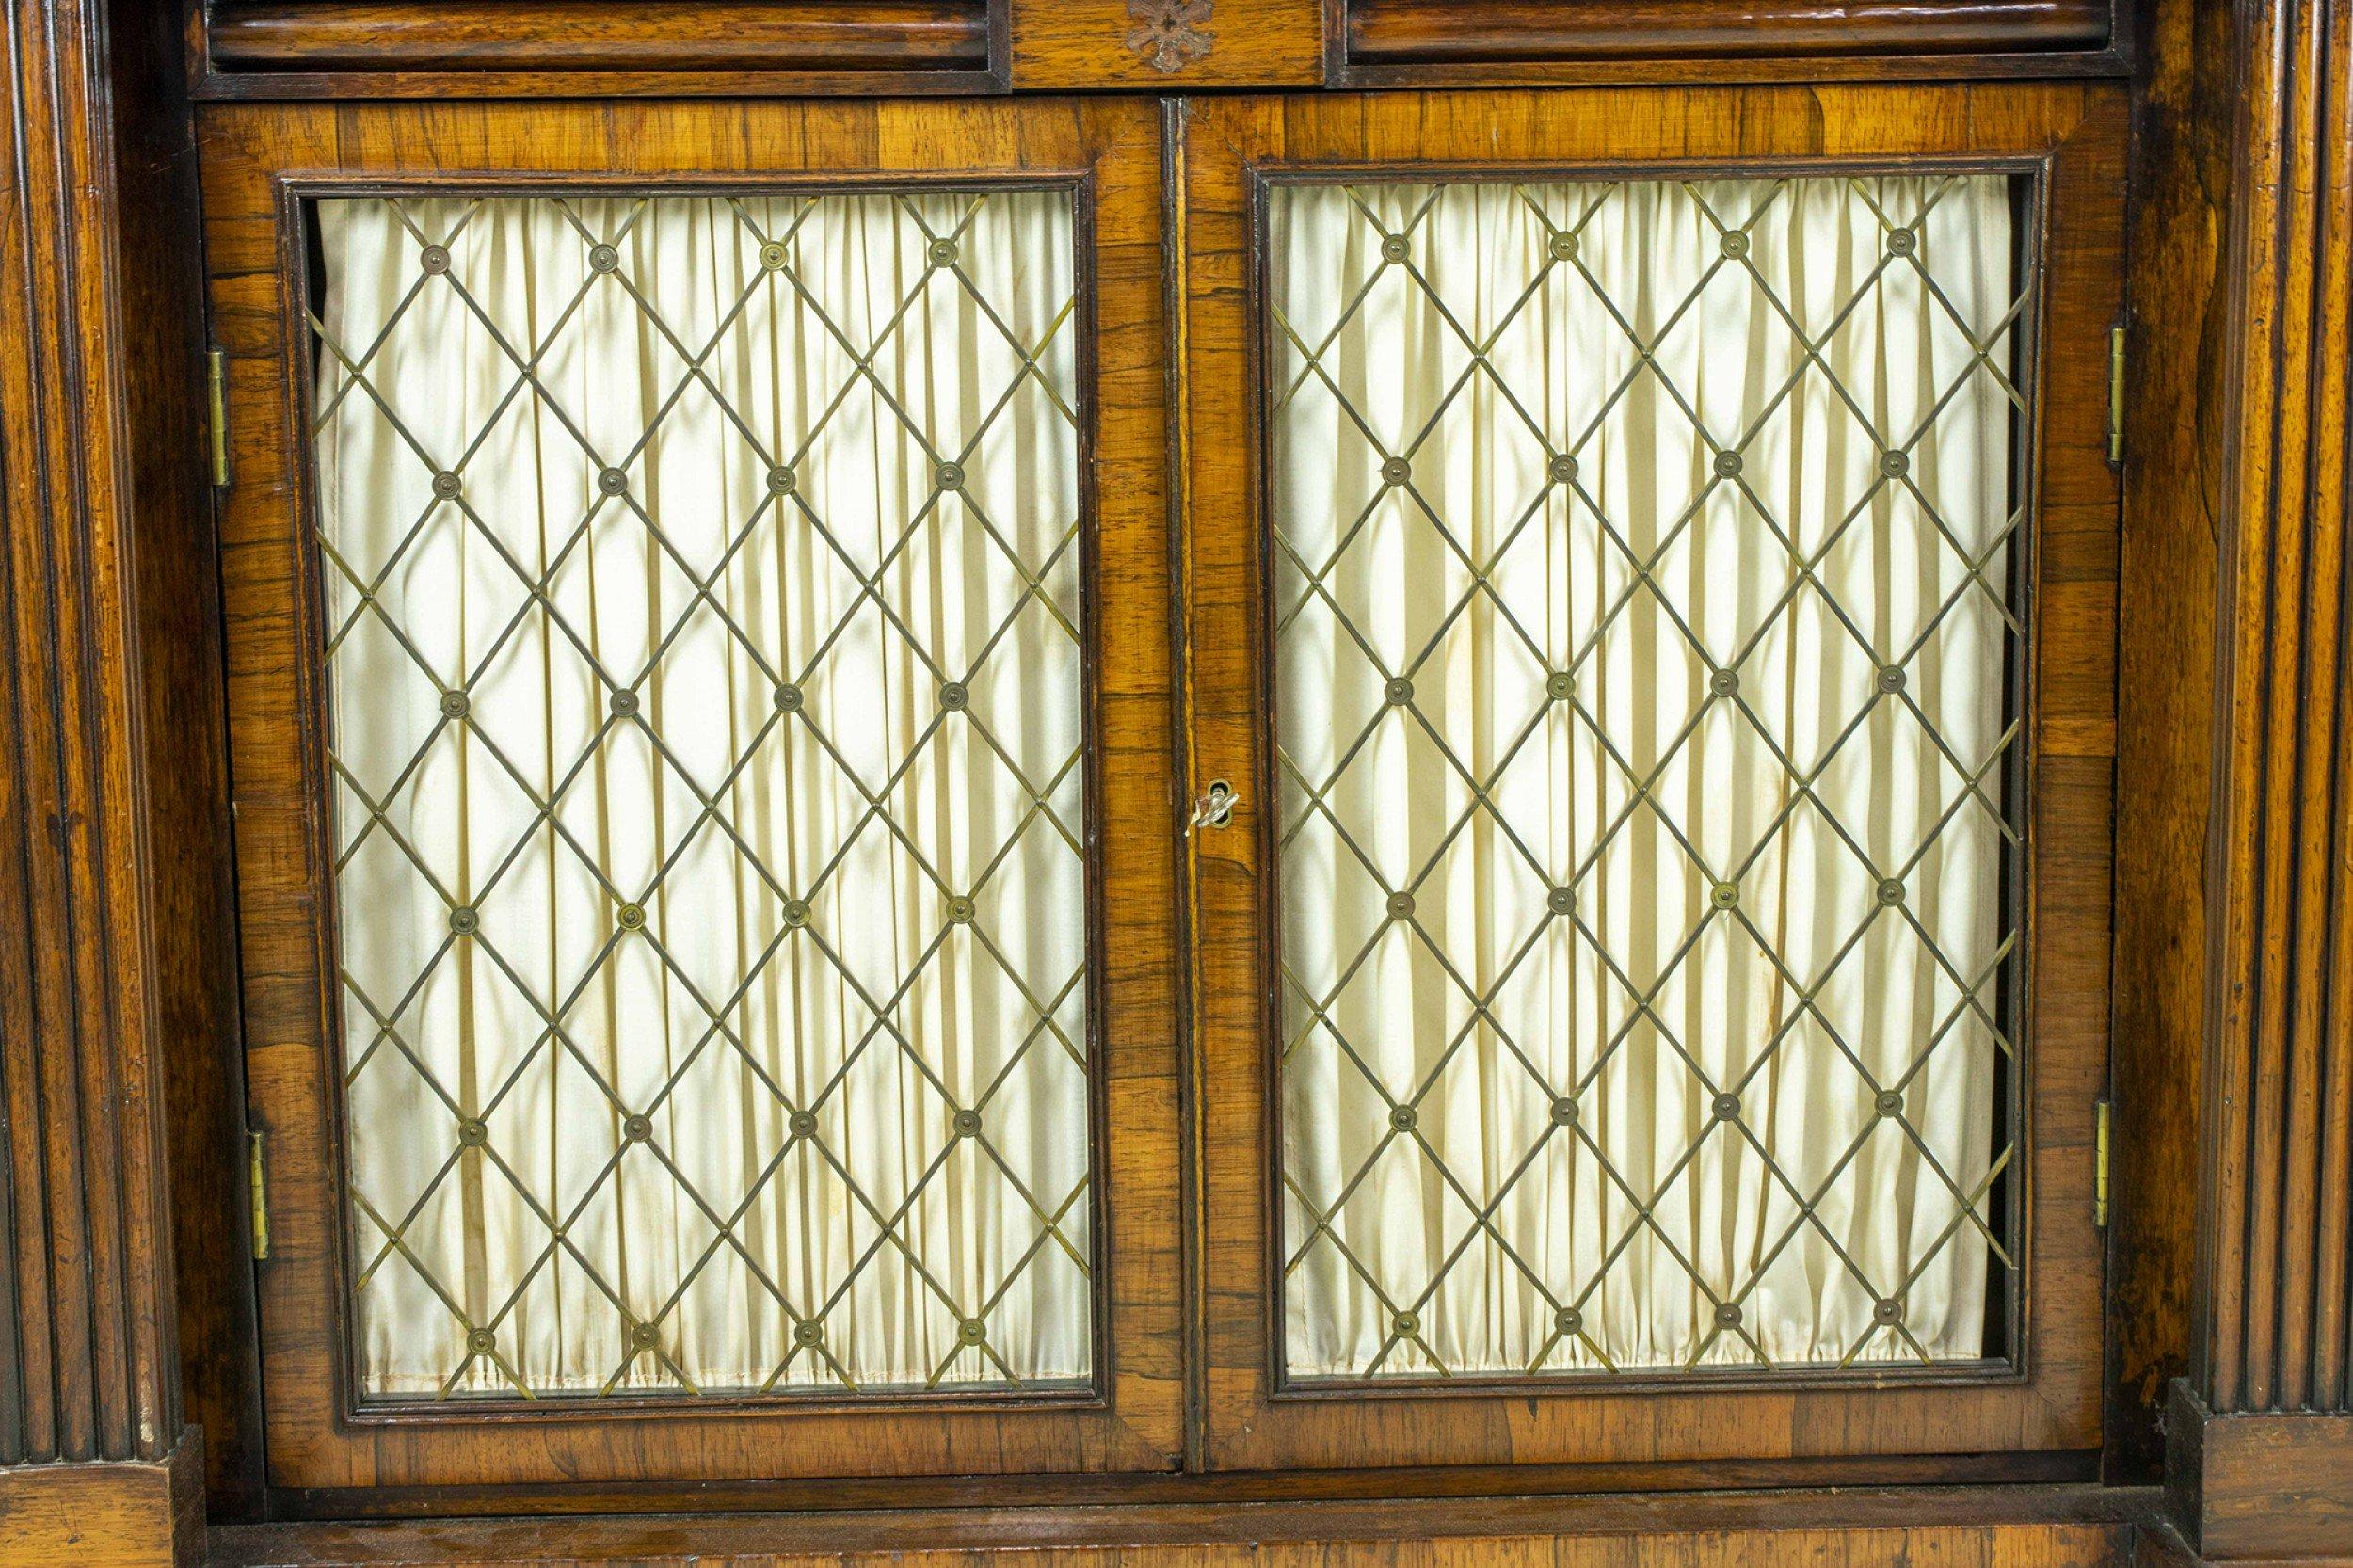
2260,1488
114,1514
2018,1527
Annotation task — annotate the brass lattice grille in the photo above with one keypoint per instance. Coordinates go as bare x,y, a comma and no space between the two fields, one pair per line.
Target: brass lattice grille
701,601
1646,706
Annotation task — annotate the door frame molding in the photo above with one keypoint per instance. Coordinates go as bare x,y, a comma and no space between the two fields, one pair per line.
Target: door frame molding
261,161
2073,136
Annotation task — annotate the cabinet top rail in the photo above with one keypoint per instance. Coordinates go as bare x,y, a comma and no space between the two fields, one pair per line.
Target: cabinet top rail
294,49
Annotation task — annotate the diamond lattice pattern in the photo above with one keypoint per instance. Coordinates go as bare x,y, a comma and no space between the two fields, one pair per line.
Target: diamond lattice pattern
701,602
1645,643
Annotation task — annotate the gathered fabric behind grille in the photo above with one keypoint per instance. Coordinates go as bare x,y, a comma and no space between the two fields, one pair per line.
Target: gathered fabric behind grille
701,595
1642,638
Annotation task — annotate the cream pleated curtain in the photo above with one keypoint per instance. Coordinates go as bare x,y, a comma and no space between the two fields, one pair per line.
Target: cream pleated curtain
1559,921
702,592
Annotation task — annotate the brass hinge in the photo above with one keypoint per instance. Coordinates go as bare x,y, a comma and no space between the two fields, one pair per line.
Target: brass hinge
2116,395
257,1186
2100,1165
216,414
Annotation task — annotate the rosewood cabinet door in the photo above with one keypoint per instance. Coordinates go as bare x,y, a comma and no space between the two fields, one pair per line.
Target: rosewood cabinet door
698,621
1650,596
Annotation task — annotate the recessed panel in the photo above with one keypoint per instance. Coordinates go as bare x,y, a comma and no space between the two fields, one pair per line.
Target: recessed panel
700,583
1647,646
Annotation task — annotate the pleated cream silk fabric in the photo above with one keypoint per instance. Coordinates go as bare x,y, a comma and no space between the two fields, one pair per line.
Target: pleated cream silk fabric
1642,578
701,585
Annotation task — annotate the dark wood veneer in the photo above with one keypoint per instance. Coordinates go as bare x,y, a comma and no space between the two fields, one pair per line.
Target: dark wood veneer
1489,42
2165,710
2261,1486
1491,32
493,48
1151,1493
600,35
1964,1527
111,1514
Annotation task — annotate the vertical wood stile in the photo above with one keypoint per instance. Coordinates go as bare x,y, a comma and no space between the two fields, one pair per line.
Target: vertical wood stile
2275,1282
88,1367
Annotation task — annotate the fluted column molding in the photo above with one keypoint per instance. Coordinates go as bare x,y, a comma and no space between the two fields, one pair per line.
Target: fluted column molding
2279,1192
92,1466
2261,1439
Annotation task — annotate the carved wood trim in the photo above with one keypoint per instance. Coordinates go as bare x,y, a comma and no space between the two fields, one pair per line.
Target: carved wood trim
1164,45
89,1368
1169,35
2260,1451
2276,1279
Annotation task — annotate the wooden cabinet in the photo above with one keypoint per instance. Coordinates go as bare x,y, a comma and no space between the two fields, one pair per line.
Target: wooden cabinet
465,1135
1178,752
